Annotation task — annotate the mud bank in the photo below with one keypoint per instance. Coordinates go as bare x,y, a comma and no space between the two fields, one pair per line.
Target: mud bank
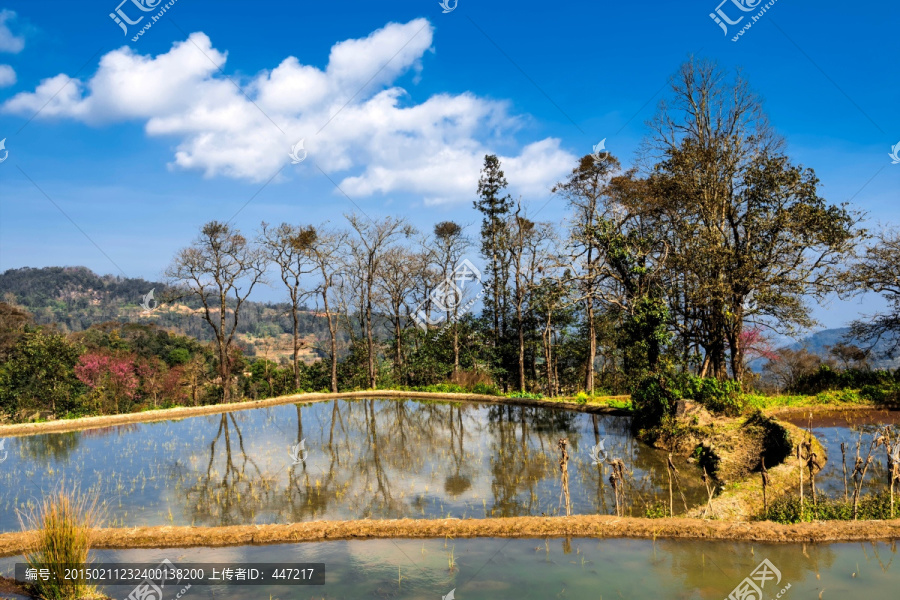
743,499
166,414
594,526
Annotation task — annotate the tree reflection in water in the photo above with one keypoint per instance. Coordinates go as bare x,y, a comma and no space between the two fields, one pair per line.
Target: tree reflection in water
394,459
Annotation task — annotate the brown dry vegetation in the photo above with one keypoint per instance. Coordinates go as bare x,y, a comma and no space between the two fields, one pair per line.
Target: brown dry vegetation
281,346
596,526
743,499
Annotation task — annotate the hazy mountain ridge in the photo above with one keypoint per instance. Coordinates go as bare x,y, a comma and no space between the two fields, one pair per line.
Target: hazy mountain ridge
820,341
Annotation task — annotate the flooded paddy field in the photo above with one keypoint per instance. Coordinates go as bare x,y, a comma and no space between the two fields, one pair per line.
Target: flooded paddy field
849,427
576,568
360,459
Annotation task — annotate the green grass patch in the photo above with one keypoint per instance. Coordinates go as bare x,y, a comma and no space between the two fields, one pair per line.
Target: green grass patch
786,509
526,395
843,397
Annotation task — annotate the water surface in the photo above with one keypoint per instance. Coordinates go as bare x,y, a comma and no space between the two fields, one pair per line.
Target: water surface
366,459
851,427
542,569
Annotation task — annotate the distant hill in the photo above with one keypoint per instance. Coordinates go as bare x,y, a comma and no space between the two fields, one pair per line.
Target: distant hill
75,298
820,341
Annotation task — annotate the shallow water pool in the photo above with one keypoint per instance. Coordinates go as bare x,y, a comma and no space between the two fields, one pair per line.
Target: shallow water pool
363,459
541,569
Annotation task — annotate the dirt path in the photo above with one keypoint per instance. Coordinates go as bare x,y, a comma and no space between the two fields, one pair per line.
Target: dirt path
594,526
192,411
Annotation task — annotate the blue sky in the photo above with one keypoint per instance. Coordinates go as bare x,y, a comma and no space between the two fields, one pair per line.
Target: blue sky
190,123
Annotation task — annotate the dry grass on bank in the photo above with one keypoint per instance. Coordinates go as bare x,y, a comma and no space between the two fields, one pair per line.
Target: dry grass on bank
592,526
59,532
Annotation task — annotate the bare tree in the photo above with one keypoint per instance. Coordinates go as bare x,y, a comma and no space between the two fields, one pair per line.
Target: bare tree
745,223
395,283
368,248
325,255
529,253
220,269
790,365
288,247
585,189
449,245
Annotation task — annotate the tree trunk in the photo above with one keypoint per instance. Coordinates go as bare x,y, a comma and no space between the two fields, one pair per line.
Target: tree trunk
224,367
369,339
332,330
398,359
548,359
521,328
592,346
737,358
496,298
224,374
296,345
456,338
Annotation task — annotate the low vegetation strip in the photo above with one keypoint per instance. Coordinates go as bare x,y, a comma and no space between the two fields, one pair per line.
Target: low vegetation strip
165,414
596,526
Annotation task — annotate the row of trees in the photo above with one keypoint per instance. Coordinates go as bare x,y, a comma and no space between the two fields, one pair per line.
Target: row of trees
713,240
684,263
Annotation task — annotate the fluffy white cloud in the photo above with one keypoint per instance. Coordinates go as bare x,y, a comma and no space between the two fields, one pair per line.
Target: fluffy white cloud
355,121
8,41
7,75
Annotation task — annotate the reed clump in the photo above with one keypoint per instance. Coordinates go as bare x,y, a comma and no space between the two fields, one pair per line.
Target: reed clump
63,526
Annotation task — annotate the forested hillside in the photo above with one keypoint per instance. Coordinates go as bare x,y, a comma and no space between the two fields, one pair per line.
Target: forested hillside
75,298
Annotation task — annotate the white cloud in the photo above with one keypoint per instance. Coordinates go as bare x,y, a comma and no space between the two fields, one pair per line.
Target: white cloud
7,75
8,41
372,136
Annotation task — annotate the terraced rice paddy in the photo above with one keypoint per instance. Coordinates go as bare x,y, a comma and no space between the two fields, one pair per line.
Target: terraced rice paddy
366,459
832,428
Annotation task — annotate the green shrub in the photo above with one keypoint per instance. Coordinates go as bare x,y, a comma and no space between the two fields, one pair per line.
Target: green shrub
881,394
623,404
654,400
486,389
827,378
717,396
658,510
846,396
582,398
